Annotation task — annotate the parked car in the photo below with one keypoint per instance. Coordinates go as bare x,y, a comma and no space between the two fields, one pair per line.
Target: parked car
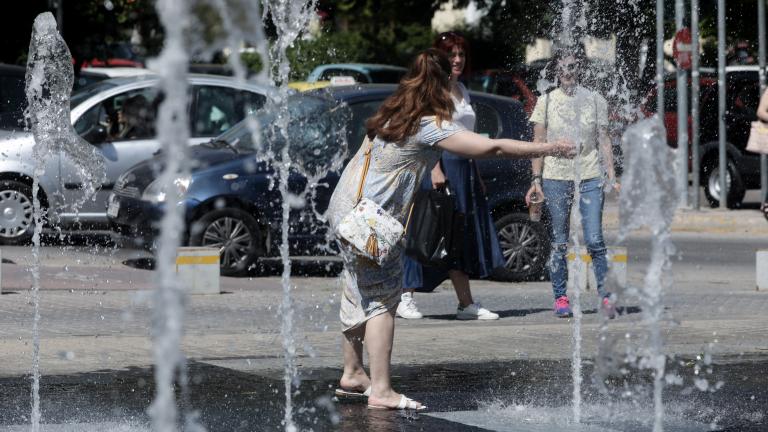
742,98
13,97
229,203
362,73
216,104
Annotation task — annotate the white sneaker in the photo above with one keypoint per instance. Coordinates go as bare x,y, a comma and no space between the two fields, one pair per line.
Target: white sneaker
407,308
475,311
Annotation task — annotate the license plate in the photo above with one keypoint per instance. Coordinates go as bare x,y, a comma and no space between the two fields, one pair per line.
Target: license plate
113,209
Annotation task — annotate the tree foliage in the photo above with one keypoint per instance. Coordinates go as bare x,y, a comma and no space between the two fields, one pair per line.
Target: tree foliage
91,25
388,31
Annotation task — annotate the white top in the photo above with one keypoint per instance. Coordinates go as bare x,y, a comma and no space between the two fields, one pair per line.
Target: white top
576,118
463,114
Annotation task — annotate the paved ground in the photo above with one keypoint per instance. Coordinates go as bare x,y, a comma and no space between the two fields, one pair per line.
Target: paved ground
96,323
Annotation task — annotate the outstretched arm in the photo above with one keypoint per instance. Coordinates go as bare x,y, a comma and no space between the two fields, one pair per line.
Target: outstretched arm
472,145
762,109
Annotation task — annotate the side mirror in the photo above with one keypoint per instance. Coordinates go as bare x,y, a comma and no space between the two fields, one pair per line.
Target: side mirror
96,135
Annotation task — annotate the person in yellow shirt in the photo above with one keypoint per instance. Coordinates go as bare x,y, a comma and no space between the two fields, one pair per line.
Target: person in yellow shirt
571,111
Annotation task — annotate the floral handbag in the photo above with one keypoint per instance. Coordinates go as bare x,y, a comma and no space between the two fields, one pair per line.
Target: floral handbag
758,138
368,228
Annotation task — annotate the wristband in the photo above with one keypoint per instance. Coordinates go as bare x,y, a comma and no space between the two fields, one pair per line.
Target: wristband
536,178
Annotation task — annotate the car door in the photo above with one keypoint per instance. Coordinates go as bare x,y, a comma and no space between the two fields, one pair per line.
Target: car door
120,146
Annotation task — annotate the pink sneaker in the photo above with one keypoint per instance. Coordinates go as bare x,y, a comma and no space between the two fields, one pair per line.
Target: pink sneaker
609,308
562,307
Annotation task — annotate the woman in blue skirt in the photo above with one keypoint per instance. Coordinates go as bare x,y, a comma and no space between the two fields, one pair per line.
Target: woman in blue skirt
481,253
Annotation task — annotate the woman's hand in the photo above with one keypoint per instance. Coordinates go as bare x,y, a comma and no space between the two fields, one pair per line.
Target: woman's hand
535,188
438,177
563,148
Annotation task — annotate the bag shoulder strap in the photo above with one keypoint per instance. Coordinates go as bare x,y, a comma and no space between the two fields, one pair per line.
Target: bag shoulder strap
366,164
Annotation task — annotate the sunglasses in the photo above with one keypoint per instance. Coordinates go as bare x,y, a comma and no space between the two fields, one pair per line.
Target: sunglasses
568,67
448,35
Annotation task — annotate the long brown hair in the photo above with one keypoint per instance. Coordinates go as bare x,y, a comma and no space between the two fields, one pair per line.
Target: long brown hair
423,91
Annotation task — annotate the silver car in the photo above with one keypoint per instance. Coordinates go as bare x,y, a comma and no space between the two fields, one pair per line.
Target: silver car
216,103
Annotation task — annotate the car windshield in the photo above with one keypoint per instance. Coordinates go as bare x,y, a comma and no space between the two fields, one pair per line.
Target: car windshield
317,132
81,95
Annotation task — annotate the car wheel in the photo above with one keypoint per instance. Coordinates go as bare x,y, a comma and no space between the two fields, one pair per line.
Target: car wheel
733,183
524,246
234,232
16,213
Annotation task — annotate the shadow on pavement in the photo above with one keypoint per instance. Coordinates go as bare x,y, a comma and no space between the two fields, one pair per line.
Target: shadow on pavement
231,400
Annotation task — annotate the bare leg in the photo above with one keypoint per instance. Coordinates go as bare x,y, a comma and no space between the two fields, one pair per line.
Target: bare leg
460,282
379,335
409,290
354,376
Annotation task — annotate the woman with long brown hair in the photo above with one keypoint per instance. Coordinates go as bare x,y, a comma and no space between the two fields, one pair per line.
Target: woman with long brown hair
408,132
481,252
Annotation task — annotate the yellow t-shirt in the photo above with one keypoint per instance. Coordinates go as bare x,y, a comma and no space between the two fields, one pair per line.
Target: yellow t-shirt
576,118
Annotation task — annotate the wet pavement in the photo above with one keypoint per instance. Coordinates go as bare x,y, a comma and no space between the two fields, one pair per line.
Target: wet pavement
513,374
500,396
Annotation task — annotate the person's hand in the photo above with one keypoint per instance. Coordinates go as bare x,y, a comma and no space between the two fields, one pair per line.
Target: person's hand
535,188
563,148
613,185
438,178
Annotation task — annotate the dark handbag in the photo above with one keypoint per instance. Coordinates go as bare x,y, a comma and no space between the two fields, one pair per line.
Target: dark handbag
431,228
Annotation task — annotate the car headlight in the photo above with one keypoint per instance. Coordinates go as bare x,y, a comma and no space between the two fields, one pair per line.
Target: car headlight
156,192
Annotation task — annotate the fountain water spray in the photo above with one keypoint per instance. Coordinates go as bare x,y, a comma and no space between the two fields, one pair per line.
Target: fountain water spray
573,17
239,24
649,199
169,298
243,20
49,80
291,18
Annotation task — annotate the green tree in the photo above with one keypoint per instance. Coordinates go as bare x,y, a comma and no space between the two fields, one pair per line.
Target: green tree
394,29
91,25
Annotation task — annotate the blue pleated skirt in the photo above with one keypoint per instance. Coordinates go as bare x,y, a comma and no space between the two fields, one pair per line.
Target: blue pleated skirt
480,253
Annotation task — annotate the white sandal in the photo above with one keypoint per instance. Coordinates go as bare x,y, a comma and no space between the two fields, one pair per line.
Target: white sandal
340,393
404,404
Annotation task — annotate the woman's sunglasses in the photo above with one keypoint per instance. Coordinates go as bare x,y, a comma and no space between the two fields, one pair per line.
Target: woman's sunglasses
447,35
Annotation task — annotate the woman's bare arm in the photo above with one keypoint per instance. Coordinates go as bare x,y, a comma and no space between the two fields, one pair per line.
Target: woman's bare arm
472,145
539,135
762,109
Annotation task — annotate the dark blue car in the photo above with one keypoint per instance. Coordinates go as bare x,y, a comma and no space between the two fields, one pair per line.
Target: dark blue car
232,200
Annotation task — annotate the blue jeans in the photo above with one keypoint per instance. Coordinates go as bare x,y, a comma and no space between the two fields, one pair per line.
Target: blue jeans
559,200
